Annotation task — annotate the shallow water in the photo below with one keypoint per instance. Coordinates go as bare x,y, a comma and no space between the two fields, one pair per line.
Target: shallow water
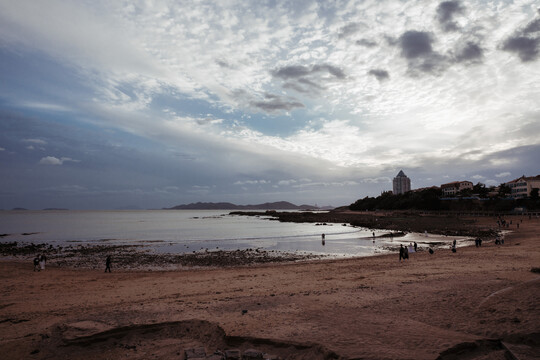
181,231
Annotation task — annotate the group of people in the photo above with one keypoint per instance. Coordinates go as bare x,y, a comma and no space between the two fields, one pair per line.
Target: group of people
405,250
39,262
502,223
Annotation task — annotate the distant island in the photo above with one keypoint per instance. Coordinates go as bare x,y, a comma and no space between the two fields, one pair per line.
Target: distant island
280,205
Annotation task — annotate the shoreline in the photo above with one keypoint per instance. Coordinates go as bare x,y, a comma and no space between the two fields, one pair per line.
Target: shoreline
141,256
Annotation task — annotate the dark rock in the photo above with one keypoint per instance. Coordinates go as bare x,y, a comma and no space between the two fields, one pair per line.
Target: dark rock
233,354
196,353
252,354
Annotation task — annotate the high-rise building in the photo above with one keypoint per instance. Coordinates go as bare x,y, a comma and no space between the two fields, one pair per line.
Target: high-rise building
402,183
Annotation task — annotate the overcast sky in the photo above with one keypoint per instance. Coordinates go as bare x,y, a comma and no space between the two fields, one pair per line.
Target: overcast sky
107,104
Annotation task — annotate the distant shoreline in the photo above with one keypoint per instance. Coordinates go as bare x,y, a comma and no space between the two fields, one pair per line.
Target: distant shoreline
447,224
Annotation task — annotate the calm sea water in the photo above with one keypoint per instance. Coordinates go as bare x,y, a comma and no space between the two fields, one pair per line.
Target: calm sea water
179,231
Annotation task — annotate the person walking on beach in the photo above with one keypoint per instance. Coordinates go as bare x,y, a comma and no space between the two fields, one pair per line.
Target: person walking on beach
415,246
401,252
108,263
36,264
405,253
42,261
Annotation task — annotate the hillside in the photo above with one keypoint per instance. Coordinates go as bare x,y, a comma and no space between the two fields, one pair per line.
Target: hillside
280,205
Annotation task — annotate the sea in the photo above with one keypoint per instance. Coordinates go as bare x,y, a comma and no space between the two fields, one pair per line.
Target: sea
183,231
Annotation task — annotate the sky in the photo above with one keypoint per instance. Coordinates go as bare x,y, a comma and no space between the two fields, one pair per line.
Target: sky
151,104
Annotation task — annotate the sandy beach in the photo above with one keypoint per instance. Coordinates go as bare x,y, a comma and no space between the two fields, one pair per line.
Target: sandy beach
477,303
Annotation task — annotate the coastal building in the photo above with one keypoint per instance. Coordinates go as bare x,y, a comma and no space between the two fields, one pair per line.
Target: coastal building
521,187
401,183
454,187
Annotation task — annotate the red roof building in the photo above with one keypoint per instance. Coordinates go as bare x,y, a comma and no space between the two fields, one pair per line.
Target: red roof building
522,187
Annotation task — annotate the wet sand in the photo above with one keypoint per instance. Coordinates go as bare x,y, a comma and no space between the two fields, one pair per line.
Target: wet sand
478,303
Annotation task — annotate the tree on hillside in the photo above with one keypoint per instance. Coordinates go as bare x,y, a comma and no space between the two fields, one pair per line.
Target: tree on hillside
504,190
481,190
534,194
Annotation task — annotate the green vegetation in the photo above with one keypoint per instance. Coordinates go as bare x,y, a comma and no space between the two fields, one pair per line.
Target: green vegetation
480,198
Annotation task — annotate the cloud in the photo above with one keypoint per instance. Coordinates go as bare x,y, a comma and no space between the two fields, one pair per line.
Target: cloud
2,149
478,177
274,103
308,79
503,174
44,106
379,74
525,42
417,48
287,182
252,182
416,44
526,47
378,180
51,160
446,12
325,184
298,71
469,52
351,29
208,121
367,43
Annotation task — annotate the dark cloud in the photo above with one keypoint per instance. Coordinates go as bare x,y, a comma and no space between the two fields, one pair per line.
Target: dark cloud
308,79
446,12
304,85
533,26
415,44
224,64
292,71
526,48
416,47
337,72
275,103
379,74
298,71
525,42
350,29
366,43
470,52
